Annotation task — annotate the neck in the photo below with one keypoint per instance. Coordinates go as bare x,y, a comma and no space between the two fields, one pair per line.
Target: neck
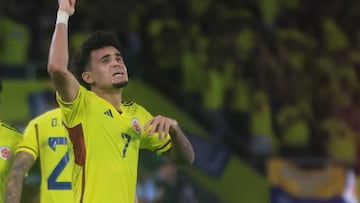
113,97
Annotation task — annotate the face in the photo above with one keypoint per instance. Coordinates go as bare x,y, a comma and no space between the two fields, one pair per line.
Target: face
107,69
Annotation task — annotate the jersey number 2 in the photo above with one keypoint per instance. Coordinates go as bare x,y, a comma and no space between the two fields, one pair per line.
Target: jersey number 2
53,184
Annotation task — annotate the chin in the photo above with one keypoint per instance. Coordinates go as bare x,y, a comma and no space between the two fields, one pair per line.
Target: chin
120,84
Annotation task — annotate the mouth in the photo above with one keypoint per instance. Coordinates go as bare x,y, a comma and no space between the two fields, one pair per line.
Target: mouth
118,74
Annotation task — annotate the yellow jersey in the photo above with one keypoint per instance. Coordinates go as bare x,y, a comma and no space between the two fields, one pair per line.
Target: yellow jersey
106,145
46,138
9,139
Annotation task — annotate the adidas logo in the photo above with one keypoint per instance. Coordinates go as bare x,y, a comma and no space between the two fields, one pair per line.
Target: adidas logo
109,113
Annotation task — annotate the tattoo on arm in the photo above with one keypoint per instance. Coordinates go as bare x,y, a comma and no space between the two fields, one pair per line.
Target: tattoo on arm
21,165
181,151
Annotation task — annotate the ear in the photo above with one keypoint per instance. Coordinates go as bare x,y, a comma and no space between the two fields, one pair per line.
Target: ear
87,77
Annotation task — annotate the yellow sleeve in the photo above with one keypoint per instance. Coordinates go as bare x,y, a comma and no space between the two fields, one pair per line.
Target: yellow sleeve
30,141
153,142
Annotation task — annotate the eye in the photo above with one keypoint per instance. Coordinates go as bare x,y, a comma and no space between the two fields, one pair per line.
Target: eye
105,60
119,59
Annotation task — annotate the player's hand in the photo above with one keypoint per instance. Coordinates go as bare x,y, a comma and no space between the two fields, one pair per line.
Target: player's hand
67,6
160,124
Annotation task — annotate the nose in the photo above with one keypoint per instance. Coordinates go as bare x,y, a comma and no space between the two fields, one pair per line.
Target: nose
116,63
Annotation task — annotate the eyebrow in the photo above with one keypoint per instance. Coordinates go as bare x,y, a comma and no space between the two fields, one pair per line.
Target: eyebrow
108,55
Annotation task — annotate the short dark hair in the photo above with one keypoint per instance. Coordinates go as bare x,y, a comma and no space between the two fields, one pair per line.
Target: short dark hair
81,59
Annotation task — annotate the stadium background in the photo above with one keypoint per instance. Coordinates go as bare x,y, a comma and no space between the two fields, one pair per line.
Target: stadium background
251,82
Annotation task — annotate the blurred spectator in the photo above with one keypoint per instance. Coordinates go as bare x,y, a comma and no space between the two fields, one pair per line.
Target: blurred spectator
264,142
193,66
295,131
15,36
164,32
146,189
79,36
165,70
334,38
238,110
213,98
340,140
269,10
132,53
199,8
160,181
173,186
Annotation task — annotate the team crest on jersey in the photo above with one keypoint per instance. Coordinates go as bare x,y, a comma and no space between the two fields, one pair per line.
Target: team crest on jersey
136,125
5,153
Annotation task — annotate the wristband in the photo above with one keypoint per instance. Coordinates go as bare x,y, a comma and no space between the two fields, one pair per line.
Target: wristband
62,17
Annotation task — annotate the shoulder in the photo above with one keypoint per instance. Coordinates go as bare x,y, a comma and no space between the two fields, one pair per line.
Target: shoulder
80,95
130,105
53,113
47,115
136,110
6,128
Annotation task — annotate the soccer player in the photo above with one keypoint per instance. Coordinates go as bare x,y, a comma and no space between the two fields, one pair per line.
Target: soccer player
9,139
45,138
106,132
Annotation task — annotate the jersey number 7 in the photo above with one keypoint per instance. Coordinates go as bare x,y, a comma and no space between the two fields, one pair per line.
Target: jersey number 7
127,138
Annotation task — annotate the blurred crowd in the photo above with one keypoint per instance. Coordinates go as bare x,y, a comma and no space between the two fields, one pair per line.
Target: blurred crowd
267,77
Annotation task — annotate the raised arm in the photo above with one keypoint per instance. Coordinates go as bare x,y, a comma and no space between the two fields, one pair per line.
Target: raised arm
22,163
65,83
181,151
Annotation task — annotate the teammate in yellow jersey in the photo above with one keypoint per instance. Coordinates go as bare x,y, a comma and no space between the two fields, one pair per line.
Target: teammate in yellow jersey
106,133
9,139
45,138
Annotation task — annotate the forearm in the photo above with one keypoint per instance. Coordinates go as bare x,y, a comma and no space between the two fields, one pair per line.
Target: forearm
22,163
58,59
59,54
181,149
14,188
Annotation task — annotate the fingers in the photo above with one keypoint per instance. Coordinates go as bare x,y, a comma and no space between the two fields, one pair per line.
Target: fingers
166,129
148,124
160,125
72,3
72,6
157,125
67,5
